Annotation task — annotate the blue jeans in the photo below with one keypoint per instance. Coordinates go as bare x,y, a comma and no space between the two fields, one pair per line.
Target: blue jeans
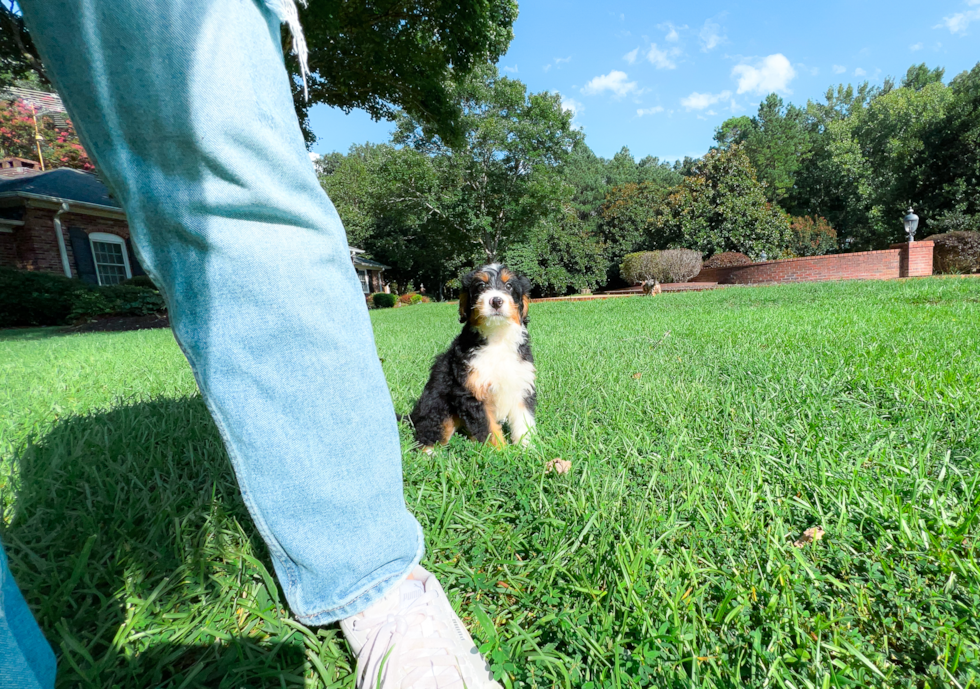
187,110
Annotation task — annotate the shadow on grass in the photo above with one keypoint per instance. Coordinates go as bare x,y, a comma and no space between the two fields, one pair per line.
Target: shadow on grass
30,334
134,549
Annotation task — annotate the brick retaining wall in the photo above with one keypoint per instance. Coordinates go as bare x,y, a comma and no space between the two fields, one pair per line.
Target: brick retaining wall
901,260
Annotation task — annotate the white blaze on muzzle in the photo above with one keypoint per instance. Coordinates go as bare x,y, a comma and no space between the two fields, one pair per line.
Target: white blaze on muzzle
488,311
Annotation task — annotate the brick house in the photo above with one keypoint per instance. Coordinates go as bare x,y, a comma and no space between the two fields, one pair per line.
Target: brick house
63,221
369,272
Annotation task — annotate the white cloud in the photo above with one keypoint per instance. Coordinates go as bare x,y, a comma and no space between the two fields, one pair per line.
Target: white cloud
663,59
512,70
915,46
630,57
649,111
700,101
557,63
571,105
615,81
672,35
839,69
958,23
772,73
314,156
711,35
859,72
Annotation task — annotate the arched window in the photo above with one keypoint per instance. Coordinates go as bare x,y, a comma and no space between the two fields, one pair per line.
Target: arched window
110,256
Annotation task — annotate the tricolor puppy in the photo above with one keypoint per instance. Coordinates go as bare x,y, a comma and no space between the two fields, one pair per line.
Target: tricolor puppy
486,377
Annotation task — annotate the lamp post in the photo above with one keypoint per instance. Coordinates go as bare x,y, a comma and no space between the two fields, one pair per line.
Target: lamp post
911,223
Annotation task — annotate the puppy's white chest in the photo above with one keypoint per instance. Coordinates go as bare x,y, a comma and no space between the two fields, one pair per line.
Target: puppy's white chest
500,374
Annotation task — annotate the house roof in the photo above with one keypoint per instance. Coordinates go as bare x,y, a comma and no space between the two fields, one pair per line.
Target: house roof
44,103
64,184
368,263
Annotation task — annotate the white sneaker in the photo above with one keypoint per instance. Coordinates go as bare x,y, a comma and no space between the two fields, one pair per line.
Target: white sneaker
412,638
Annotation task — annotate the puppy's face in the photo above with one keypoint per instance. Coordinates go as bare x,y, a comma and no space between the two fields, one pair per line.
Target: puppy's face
494,297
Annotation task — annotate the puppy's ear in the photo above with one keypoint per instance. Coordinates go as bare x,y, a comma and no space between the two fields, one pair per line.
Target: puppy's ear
464,296
525,298
464,299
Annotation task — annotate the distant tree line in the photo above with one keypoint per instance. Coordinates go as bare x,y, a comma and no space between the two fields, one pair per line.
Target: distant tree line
524,187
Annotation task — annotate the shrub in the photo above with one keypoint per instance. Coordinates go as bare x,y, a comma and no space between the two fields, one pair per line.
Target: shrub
384,301
406,298
728,259
672,265
811,236
140,281
30,298
117,300
956,252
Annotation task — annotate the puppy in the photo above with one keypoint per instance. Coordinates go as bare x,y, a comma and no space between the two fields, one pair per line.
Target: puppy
486,377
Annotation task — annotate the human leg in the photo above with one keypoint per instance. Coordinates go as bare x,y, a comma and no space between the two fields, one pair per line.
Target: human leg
26,659
187,110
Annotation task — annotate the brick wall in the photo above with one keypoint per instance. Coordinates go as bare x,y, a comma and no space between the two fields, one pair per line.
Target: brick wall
34,246
898,261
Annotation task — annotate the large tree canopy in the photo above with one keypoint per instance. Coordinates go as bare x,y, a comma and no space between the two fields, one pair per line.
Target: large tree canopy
382,56
389,55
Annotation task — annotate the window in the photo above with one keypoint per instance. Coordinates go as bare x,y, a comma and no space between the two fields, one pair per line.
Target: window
111,261
365,280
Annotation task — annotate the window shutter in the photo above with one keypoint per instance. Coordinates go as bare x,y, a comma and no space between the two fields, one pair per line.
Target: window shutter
84,263
134,265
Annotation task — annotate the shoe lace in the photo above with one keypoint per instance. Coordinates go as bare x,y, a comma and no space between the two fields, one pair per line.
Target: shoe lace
410,646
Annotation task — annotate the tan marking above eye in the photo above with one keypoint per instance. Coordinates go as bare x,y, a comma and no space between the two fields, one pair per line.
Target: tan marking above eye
483,277
505,276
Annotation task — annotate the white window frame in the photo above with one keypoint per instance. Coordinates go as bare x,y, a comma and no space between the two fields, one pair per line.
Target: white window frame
366,287
107,238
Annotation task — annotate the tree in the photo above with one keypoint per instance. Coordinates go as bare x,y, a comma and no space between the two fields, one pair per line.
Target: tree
776,141
382,56
502,180
387,56
561,255
722,207
60,147
919,76
628,221
19,59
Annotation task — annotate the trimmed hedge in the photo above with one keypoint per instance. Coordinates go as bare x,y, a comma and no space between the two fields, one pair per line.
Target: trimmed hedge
727,259
672,265
384,301
29,298
956,252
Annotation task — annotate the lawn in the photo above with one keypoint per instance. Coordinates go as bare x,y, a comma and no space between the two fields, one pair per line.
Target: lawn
706,432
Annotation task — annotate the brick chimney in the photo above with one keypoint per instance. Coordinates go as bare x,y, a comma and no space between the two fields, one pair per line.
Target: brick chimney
18,167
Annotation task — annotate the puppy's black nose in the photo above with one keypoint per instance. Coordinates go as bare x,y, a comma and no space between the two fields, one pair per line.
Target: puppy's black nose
496,302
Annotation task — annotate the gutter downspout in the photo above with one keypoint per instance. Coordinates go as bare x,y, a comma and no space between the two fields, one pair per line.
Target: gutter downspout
61,239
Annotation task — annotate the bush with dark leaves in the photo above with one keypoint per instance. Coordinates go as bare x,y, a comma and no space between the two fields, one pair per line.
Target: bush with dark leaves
727,259
956,252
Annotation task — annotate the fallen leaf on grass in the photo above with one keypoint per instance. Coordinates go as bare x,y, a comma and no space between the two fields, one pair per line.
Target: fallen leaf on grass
638,375
814,533
559,465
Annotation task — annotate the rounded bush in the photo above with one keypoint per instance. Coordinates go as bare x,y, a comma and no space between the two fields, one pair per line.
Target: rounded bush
956,252
672,265
727,259
384,301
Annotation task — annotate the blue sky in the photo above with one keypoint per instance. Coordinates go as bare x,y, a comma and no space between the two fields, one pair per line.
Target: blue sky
660,77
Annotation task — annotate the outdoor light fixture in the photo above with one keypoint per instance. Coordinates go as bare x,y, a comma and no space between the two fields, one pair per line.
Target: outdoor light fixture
911,223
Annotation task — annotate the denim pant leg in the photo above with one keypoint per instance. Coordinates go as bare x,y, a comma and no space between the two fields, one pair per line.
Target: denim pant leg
26,659
186,107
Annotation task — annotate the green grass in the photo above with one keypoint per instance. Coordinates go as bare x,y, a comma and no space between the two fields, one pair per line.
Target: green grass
664,558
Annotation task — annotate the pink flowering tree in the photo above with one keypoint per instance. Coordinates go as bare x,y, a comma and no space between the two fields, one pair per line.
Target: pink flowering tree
60,146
